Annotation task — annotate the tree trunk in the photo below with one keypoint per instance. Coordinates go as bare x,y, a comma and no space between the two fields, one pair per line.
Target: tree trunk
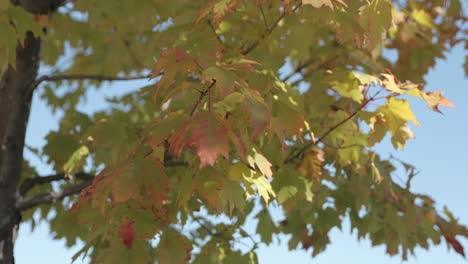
15,102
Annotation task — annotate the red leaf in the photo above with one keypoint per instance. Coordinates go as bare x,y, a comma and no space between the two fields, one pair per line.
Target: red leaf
306,240
455,244
394,77
207,134
127,233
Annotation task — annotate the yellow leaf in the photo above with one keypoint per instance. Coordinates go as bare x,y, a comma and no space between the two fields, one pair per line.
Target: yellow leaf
401,109
76,161
422,18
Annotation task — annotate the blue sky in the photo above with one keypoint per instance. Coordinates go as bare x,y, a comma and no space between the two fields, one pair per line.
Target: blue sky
439,152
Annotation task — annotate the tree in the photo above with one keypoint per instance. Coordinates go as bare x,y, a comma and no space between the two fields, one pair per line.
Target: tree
222,122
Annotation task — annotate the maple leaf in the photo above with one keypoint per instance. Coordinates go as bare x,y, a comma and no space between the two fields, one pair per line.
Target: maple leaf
76,161
265,227
436,99
171,62
391,83
262,163
127,233
207,133
173,248
375,18
259,115
311,165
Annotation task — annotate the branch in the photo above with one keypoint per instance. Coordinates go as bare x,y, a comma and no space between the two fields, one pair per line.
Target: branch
50,197
298,69
29,183
78,77
268,31
305,64
324,135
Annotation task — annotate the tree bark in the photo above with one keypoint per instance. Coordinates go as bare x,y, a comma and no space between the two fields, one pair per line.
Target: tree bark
15,102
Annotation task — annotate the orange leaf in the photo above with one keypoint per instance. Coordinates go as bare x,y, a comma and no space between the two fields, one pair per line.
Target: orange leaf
436,99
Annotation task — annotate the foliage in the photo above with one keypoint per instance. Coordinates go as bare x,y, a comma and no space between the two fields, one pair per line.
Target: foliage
225,122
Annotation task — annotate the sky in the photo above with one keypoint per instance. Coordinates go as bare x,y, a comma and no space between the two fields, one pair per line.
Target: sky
439,152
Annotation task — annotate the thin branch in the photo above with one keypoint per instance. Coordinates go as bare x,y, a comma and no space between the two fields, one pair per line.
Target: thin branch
29,183
132,54
200,98
324,135
50,197
305,64
220,234
78,77
331,129
268,31
263,17
312,68
298,69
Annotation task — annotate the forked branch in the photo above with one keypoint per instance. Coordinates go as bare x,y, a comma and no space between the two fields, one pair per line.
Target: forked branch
50,197
29,183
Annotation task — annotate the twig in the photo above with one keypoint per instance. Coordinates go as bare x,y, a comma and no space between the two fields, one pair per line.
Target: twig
216,34
268,31
220,234
132,54
298,69
50,197
324,135
200,98
306,64
264,17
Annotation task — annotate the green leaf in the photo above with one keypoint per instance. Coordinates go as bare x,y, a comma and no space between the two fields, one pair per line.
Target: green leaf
375,18
173,248
265,227
76,161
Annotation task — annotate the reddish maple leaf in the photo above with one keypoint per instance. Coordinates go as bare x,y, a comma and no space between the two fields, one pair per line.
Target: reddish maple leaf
127,233
207,134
